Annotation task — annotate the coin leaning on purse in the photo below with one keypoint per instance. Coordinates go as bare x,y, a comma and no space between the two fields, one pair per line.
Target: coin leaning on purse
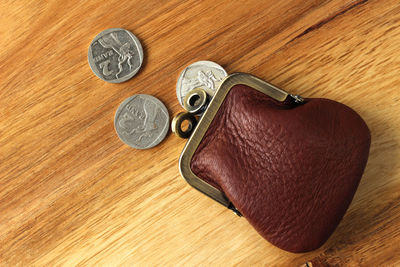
289,165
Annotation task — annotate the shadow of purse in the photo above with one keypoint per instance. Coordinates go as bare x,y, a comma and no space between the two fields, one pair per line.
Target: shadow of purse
290,166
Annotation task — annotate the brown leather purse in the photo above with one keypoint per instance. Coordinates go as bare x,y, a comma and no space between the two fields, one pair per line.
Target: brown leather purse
289,165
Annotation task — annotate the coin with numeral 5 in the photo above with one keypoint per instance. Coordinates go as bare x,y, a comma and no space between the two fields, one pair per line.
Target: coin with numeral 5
141,121
115,55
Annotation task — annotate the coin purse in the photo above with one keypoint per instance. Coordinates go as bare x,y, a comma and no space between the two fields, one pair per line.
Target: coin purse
289,165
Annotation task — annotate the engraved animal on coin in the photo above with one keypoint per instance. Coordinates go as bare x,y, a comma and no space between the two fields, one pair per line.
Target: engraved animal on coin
115,55
123,50
206,75
206,80
141,121
146,122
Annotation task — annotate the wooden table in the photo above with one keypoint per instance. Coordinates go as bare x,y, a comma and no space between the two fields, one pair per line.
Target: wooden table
73,193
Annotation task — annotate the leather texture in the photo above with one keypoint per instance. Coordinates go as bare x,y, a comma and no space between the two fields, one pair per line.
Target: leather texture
291,171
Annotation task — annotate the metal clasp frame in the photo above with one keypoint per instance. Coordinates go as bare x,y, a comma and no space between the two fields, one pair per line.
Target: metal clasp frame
197,102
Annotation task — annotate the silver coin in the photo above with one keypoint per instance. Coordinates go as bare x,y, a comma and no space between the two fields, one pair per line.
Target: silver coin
141,121
115,55
206,75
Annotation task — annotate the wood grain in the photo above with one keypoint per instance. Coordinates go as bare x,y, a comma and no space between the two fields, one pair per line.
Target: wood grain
73,194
